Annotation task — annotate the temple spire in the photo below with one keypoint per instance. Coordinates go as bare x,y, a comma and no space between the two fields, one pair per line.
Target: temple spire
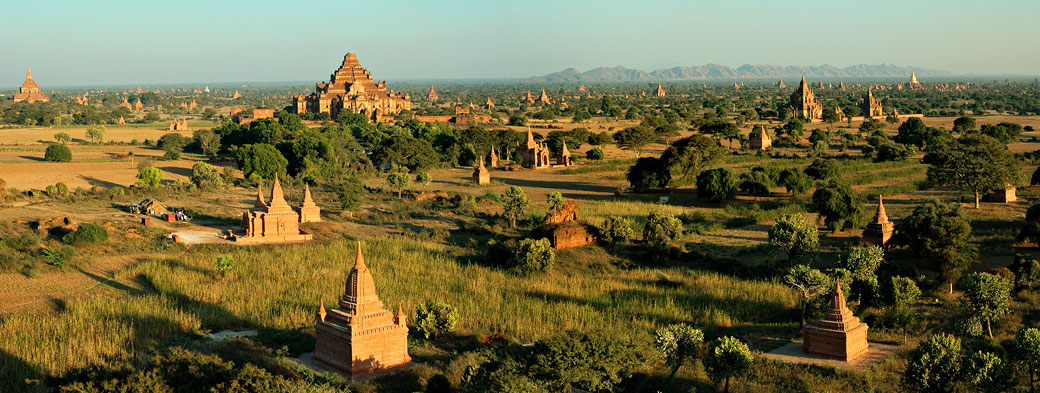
307,194
28,73
881,216
277,196
321,310
359,262
259,192
530,138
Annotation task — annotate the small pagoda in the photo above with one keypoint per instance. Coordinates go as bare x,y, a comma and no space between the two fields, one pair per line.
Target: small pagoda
308,210
481,176
839,334
360,337
493,158
564,159
759,139
879,231
271,223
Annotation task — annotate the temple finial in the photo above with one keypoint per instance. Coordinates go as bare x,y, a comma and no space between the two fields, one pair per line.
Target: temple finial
321,310
359,263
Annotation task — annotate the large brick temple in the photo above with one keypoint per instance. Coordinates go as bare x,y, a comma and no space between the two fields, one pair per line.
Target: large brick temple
804,104
361,336
839,334
351,88
30,91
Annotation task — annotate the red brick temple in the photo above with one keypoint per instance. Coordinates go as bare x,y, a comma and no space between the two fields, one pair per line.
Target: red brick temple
271,223
839,334
361,337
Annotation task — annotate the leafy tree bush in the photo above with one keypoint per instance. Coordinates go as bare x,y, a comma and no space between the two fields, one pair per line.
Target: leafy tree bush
57,153
206,176
62,137
796,182
662,230
685,158
515,205
811,283
1030,231
902,291
934,366
822,169
840,207
755,183
349,193
634,138
1004,132
648,173
794,235
433,319
594,154
616,229
87,233
1027,271
424,179
963,124
1026,353
591,361
936,233
987,298
531,256
149,177
438,383
172,142
224,265
555,200
678,343
398,181
96,134
727,357
988,372
974,162
913,132
716,185
261,159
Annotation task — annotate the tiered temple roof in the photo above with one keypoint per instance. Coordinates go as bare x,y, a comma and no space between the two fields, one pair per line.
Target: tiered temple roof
351,88
804,104
839,334
29,91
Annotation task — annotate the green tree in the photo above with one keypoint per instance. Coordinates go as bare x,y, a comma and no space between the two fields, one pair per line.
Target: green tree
794,128
398,181
349,193
685,158
207,141
1004,132
987,298
62,137
515,204
555,200
795,181
963,124
716,185
662,229
149,177
86,233
647,173
261,159
794,235
862,262
634,138
532,256
988,372
424,179
1026,353
840,207
822,169
57,152
206,176
902,292
811,283
591,361
977,163
678,343
96,133
433,319
727,357
615,229
594,154
936,233
1031,227
934,366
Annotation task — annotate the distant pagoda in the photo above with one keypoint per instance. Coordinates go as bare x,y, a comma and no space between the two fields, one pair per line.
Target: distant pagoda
29,91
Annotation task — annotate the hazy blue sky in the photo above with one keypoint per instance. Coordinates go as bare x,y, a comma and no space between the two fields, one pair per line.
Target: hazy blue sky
97,42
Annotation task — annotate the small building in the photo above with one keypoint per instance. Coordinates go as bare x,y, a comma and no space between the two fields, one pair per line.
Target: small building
1006,195
29,91
872,106
360,337
481,176
879,231
493,158
564,159
308,210
660,91
839,334
152,207
759,139
803,103
273,223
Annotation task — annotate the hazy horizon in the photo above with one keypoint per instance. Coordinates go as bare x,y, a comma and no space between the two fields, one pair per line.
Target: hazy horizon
109,42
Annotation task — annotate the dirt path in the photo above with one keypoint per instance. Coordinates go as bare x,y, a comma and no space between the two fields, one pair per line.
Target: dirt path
47,291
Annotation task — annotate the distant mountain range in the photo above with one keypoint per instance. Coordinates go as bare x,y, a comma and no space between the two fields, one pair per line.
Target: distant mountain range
747,71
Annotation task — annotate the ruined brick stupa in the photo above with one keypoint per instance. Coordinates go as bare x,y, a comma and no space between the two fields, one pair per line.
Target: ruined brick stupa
360,337
271,223
839,334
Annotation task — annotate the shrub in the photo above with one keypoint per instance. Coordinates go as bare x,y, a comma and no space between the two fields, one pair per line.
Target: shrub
796,182
902,291
840,207
934,365
349,194
795,235
727,357
822,168
532,255
435,318
206,176
438,383
594,154
57,153
224,264
616,229
86,233
149,177
62,189
716,185
662,229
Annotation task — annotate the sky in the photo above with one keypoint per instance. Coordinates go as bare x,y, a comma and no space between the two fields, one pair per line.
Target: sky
115,42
